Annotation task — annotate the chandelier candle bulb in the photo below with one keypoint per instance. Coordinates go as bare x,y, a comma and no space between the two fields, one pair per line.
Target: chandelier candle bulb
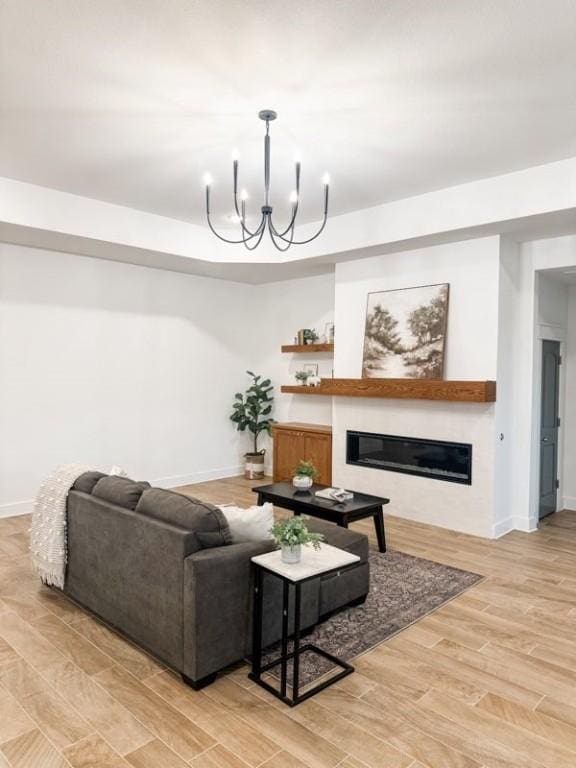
251,239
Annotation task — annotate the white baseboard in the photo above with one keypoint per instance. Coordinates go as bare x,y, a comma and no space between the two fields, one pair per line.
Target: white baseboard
569,502
25,507
198,477
525,525
503,527
514,524
16,508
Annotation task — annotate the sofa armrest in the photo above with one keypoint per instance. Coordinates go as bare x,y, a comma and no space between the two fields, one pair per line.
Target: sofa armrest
218,606
128,568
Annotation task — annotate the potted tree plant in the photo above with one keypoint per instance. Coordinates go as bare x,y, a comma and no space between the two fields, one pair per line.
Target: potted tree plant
291,534
251,411
304,475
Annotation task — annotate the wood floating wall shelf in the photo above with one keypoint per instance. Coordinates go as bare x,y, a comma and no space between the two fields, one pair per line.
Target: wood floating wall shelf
307,348
403,389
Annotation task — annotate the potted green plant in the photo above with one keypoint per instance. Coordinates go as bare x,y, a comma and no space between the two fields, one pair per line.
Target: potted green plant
310,336
302,377
251,411
291,534
304,475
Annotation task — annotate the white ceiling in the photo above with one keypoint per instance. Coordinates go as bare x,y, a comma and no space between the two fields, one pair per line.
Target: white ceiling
130,101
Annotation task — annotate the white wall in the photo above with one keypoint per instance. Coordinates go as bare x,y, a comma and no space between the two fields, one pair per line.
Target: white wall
110,363
536,319
472,269
552,301
283,308
508,362
569,473
107,363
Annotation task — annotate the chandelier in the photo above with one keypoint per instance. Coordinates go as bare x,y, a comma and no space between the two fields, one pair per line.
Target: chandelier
251,238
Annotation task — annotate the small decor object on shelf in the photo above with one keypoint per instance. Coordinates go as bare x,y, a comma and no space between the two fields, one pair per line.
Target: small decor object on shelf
291,535
311,369
302,377
405,333
307,336
310,336
314,381
329,333
251,411
304,475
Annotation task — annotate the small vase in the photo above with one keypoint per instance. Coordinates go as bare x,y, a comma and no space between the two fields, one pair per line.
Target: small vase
302,482
291,553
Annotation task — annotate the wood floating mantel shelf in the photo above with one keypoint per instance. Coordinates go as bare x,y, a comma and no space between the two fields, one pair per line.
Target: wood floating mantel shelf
403,389
308,348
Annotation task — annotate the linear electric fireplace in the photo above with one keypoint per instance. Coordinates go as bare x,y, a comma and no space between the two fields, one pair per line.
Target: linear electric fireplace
436,459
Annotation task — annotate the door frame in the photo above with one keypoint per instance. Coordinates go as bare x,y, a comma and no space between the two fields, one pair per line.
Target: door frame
549,332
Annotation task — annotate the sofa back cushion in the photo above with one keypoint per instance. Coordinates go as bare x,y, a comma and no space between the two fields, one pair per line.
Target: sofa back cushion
205,520
87,480
120,491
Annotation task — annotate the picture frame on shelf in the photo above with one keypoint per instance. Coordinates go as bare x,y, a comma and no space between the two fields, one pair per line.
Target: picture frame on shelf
311,369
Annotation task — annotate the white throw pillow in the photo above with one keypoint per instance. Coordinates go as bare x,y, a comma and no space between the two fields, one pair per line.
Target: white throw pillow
252,524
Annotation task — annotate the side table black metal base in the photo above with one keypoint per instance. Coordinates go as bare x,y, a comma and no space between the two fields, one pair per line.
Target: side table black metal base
258,669
347,669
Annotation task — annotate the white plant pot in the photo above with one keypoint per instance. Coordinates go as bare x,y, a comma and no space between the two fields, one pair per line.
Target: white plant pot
302,482
291,554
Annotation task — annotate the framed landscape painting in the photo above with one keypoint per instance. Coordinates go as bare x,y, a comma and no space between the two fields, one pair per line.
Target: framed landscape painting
405,333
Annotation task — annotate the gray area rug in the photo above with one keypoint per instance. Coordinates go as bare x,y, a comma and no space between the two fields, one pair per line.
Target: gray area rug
403,589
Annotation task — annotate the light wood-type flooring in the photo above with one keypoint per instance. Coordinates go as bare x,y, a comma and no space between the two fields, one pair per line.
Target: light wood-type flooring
487,680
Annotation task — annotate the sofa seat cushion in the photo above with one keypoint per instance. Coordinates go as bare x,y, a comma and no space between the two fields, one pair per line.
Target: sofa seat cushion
203,519
87,480
120,491
343,538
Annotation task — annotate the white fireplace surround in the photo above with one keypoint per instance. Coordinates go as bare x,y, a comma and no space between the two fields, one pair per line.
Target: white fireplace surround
472,269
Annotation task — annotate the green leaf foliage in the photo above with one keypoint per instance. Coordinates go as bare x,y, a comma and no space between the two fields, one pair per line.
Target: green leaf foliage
251,410
306,469
292,531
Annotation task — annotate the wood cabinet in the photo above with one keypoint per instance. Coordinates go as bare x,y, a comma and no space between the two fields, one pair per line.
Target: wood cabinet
294,442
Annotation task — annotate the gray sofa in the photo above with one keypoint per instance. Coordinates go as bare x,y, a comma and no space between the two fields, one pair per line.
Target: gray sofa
161,568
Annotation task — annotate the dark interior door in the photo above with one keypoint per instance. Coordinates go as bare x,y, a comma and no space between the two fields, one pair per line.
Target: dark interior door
549,427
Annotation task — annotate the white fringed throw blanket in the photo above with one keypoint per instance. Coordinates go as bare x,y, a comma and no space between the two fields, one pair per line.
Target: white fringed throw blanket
48,531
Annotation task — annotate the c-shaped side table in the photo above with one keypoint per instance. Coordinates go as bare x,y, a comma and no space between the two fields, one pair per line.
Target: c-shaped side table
314,563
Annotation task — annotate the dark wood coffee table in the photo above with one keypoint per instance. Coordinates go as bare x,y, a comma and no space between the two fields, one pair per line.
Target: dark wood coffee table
342,513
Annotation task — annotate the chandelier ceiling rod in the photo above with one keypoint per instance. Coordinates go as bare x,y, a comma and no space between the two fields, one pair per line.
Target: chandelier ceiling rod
252,238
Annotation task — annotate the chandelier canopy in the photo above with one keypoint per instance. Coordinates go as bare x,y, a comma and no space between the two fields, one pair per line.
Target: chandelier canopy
251,239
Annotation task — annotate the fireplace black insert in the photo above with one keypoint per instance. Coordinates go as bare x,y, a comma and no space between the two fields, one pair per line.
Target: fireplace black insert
437,459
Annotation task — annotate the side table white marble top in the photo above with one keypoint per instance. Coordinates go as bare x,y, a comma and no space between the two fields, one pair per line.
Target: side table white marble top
314,562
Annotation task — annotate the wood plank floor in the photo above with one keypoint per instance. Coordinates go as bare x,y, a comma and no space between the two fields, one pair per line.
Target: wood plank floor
488,680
